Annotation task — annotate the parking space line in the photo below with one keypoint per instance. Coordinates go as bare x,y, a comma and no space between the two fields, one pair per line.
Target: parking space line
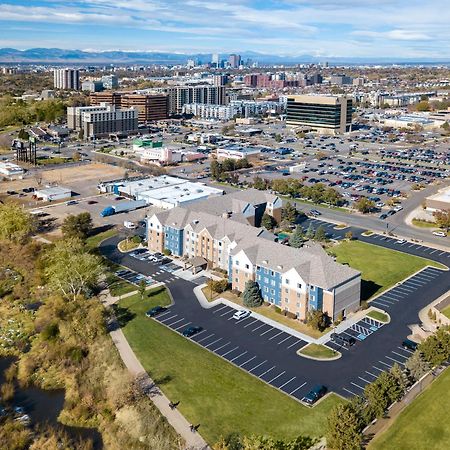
250,323
213,342
371,374
393,359
361,378
227,312
185,324
285,339
287,382
222,346
204,339
219,309
406,350
295,390
267,331
267,371
349,391
383,299
357,385
260,364
248,360
381,362
257,328
276,335
173,323
399,354
375,367
168,318
164,313
228,352
407,289
278,376
236,357
374,302
296,342
392,298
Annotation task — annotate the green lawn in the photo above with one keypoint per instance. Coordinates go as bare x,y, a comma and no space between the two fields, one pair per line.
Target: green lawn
423,223
446,312
214,393
318,351
117,286
377,315
94,241
380,267
423,424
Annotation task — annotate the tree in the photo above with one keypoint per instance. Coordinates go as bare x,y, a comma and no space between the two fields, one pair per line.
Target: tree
416,366
317,320
16,225
310,231
78,226
142,288
268,222
76,156
442,219
376,398
251,296
436,348
400,378
364,205
71,269
289,213
344,428
23,135
297,238
320,234
260,183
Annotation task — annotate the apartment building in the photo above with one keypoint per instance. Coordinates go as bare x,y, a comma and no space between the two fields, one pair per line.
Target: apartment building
68,79
75,115
224,232
204,93
321,113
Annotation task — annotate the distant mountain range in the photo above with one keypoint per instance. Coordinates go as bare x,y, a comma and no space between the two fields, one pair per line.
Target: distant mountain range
80,57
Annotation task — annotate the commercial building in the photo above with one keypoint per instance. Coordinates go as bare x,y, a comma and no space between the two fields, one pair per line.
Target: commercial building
151,107
234,151
52,194
110,98
11,171
439,201
204,93
92,86
224,232
100,121
164,191
234,61
341,80
68,79
324,114
110,81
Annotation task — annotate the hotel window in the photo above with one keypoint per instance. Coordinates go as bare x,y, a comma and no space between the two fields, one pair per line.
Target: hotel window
298,305
220,244
299,295
272,291
272,282
286,290
236,280
266,280
299,286
266,271
286,300
259,277
236,262
266,289
287,281
247,266
272,273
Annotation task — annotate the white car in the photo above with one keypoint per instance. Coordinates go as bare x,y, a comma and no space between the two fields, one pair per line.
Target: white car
242,314
401,241
439,233
398,208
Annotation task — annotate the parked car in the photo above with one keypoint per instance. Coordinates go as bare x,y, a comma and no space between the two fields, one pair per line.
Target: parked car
401,241
409,345
439,233
242,314
191,331
346,341
316,393
155,311
71,202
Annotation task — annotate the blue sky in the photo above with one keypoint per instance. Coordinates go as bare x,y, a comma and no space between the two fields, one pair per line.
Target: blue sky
364,28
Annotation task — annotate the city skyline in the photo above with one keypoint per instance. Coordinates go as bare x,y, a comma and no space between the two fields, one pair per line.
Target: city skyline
324,28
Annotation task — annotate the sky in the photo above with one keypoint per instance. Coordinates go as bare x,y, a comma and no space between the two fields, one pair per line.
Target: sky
334,28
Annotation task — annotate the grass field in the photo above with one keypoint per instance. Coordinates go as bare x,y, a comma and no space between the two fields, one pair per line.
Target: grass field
377,315
212,392
94,241
423,424
380,267
117,286
423,224
446,312
318,351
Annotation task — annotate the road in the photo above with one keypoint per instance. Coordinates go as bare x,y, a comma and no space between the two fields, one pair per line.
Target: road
270,354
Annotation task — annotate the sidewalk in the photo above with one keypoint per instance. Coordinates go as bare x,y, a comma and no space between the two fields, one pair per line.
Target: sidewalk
193,440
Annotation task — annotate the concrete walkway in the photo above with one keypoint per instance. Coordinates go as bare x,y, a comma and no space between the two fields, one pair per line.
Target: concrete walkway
193,440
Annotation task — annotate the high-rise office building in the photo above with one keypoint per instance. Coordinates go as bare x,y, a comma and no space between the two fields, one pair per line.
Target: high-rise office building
150,107
67,79
215,60
234,61
220,80
92,86
324,114
110,81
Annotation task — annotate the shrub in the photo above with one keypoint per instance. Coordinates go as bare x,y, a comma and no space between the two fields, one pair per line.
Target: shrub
50,332
167,252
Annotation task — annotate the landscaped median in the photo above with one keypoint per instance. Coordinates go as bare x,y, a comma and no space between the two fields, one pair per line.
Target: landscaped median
378,315
212,392
319,352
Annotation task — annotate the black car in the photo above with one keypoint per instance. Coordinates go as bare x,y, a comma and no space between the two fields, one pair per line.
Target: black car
346,341
155,311
191,331
409,345
316,393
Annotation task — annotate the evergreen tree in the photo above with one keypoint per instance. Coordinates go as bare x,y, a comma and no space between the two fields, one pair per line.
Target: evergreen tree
310,231
251,296
297,237
268,222
344,431
289,213
320,234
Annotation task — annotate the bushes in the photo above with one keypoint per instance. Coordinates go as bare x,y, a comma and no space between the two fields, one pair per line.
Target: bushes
318,320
